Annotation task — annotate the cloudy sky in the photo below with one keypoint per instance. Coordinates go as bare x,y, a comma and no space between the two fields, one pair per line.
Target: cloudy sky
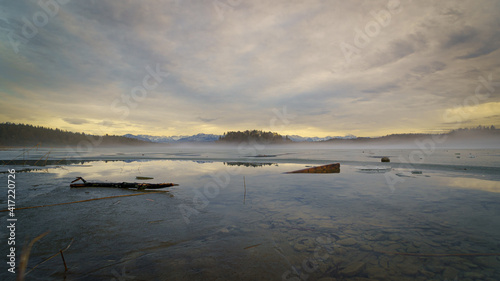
312,68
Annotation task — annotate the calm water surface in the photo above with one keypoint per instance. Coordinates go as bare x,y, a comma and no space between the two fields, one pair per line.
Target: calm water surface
235,216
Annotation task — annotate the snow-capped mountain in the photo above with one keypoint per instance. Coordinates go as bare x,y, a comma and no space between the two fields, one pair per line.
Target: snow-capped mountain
200,138
310,139
213,138
174,139
313,139
346,137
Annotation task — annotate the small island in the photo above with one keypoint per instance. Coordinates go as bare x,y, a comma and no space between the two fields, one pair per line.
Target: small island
258,136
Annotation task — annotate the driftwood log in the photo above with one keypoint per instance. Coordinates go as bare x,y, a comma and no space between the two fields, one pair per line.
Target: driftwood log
136,185
330,168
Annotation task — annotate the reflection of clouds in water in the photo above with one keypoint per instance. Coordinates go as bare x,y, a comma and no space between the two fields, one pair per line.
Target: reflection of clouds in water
187,173
478,184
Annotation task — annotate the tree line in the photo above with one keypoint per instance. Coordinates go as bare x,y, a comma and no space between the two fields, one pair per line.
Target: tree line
12,134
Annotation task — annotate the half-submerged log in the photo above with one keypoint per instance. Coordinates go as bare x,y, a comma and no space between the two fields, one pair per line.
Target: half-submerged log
330,168
135,185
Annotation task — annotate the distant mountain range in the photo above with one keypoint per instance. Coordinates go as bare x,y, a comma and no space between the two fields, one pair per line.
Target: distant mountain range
213,138
175,139
23,134
313,139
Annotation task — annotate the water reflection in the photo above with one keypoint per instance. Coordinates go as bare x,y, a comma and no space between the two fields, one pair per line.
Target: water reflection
476,184
249,164
346,226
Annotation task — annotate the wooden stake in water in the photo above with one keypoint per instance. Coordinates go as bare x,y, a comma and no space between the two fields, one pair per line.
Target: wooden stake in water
245,186
62,256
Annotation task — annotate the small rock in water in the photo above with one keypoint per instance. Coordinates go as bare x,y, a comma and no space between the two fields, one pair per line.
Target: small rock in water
412,249
450,273
394,237
410,269
299,247
474,275
366,247
377,272
263,225
394,247
339,251
490,262
353,269
378,237
347,242
383,261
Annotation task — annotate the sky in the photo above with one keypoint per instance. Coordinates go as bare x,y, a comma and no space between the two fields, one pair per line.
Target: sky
309,68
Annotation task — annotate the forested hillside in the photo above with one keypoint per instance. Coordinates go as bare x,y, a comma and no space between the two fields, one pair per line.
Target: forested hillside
254,135
26,135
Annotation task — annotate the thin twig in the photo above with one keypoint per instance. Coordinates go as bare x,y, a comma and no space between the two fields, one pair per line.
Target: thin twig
253,246
245,194
51,257
62,256
25,256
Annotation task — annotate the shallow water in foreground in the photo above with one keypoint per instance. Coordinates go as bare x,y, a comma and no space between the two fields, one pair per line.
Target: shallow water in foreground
231,220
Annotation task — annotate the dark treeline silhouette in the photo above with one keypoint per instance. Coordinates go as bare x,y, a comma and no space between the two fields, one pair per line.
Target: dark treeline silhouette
479,131
254,135
27,135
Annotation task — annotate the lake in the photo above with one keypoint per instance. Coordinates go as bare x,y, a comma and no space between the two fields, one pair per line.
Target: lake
237,214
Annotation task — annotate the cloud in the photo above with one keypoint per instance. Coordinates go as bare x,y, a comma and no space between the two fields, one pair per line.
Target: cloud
465,35
382,88
75,121
230,69
107,123
207,120
491,45
428,69
399,49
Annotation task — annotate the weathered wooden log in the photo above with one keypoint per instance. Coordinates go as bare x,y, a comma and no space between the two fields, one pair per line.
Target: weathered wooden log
120,184
330,168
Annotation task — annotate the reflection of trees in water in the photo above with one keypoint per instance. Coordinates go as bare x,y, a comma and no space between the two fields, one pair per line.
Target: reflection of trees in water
202,161
249,164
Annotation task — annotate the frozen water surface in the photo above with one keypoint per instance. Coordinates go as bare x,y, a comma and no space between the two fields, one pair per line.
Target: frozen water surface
235,216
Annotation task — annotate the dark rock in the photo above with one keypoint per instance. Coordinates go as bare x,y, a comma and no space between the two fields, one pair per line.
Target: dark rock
353,269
